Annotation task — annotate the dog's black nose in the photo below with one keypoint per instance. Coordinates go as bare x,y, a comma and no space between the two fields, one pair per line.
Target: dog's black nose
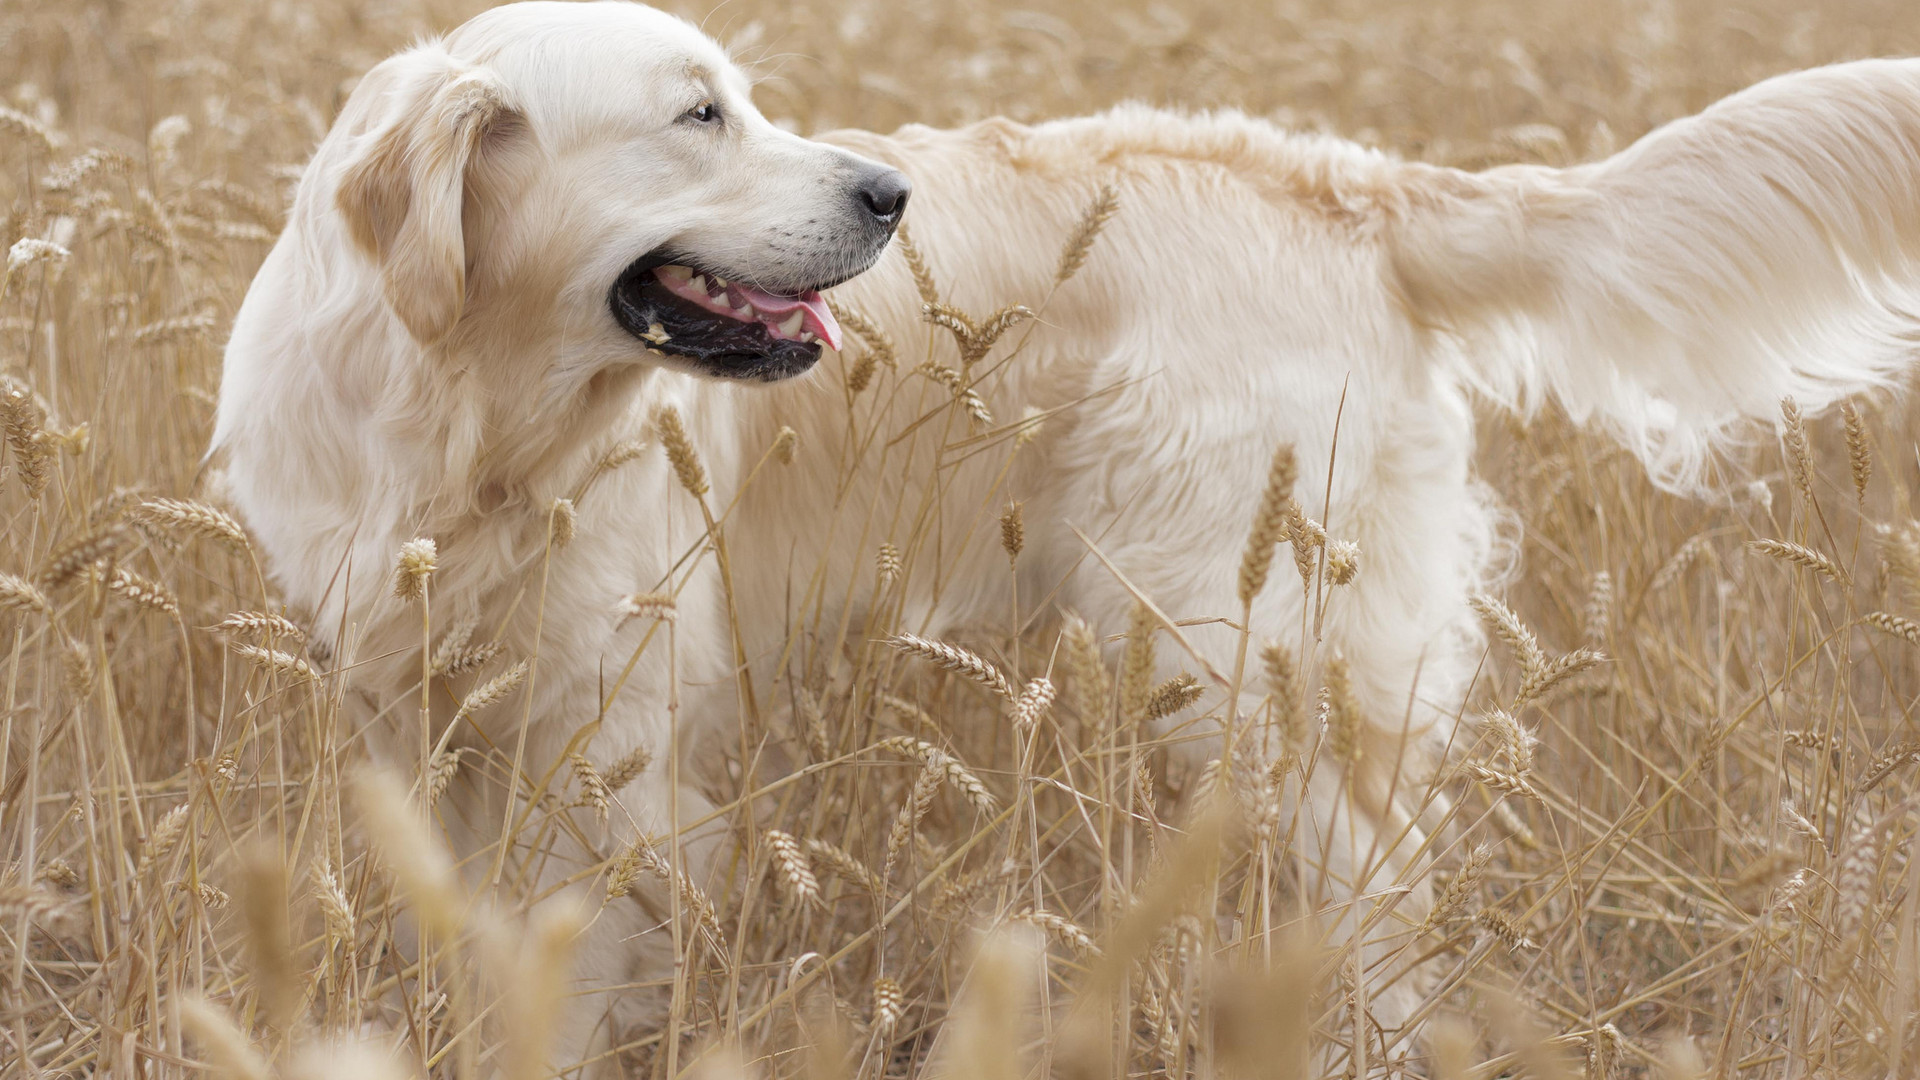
883,192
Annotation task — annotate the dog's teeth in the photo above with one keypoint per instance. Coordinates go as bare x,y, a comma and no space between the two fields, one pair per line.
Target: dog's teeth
700,282
790,326
744,310
807,337
677,273
719,281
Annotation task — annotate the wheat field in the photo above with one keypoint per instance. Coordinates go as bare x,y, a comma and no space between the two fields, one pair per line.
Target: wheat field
1694,860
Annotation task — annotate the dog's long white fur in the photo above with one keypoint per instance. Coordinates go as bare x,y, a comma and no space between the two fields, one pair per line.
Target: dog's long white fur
1768,247
1258,287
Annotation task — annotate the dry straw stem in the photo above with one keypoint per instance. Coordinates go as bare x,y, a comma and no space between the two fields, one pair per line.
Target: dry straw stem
1073,255
786,444
1269,524
957,660
672,432
1798,554
192,519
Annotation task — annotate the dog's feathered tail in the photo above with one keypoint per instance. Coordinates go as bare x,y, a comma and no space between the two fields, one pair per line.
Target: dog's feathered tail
1768,247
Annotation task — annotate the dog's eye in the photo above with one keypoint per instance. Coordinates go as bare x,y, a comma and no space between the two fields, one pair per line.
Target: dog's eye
704,113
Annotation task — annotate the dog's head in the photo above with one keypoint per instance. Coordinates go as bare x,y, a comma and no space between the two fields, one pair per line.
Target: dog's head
600,169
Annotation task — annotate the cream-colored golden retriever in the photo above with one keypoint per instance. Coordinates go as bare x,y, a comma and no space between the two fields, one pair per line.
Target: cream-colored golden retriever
520,241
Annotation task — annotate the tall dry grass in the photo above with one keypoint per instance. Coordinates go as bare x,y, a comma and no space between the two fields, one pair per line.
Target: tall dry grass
1693,857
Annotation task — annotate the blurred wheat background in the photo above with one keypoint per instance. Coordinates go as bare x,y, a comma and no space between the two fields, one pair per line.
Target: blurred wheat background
1705,868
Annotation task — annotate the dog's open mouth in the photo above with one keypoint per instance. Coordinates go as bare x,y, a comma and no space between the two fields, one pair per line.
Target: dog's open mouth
725,328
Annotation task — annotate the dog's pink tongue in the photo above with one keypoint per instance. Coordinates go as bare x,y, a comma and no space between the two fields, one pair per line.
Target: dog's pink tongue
819,317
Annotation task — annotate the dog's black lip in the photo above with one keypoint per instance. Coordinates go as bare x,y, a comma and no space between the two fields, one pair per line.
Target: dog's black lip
743,352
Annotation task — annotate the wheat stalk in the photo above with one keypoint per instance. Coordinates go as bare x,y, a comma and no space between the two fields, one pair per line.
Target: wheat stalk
1859,454
846,866
1793,435
672,432
955,659
1798,554
1073,255
1269,524
491,692
1173,696
1032,704
793,867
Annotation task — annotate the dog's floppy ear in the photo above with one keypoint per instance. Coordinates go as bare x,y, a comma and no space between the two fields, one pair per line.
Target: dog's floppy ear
405,186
